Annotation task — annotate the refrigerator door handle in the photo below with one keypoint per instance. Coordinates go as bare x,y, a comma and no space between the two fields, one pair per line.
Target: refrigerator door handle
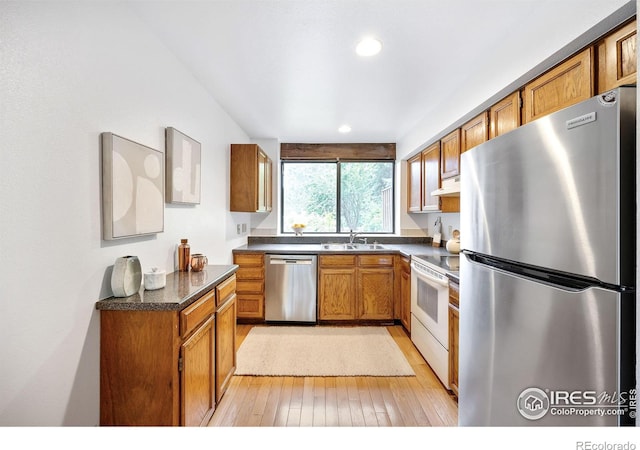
560,280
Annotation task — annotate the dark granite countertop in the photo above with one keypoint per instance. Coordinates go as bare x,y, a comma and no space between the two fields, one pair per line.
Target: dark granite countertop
290,248
181,290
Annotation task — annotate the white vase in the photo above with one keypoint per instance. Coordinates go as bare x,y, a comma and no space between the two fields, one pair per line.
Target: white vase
126,277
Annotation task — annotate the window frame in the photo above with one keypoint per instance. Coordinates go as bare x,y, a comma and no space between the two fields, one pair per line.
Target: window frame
338,162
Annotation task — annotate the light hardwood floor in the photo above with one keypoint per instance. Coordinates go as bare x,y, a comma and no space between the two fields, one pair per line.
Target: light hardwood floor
339,401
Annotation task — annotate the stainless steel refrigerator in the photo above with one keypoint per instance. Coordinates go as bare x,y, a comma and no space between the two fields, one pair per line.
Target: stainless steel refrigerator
547,276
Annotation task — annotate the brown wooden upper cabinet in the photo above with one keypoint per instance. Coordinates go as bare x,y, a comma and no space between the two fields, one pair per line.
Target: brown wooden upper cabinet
504,116
251,178
475,132
617,62
430,177
564,85
414,183
423,172
450,155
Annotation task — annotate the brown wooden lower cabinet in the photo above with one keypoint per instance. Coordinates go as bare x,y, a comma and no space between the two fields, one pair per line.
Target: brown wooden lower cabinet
454,332
225,345
405,292
197,369
168,367
250,286
337,293
375,293
356,287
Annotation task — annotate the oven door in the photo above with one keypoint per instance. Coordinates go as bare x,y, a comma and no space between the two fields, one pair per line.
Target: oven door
430,302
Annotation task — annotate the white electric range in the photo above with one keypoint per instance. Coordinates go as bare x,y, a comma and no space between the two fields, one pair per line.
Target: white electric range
430,309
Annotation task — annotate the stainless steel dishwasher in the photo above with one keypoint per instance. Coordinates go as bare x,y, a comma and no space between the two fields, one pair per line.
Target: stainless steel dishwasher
290,288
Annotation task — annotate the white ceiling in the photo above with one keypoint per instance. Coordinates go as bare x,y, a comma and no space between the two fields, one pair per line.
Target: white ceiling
286,69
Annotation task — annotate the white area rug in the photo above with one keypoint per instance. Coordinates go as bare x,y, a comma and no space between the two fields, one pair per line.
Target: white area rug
321,351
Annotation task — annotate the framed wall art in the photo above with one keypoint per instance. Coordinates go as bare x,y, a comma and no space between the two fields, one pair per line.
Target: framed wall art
132,188
183,168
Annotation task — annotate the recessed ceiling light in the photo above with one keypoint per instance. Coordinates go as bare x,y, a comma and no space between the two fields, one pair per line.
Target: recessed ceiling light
368,47
344,129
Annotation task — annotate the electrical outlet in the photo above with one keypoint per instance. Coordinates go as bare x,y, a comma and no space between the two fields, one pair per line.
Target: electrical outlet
244,227
238,229
450,230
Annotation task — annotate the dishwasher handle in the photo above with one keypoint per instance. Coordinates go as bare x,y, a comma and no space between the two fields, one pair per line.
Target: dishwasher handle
281,261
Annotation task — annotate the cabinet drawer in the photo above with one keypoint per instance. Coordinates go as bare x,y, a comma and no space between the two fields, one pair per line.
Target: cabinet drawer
195,314
248,259
375,260
225,290
250,273
250,306
251,287
337,260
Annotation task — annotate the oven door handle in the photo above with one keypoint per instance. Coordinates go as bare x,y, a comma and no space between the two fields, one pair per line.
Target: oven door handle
435,280
430,279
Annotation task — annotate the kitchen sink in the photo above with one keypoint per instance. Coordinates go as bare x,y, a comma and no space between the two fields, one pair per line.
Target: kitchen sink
354,247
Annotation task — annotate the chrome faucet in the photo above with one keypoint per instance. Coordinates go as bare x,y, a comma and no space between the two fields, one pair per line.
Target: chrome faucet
352,236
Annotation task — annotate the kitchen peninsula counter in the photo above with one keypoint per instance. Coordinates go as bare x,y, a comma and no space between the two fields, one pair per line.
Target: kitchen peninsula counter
167,355
182,289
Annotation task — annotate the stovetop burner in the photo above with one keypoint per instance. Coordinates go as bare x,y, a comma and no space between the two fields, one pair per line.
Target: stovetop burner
442,263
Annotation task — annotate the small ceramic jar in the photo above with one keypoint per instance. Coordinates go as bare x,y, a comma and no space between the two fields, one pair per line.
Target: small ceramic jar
156,279
453,244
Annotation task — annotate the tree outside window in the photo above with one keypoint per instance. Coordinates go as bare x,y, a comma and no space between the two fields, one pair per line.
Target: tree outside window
334,197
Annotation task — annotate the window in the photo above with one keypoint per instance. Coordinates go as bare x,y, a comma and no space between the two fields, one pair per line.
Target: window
338,196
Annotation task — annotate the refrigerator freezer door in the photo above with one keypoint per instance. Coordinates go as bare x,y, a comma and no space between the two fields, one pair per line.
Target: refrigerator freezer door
558,192
517,334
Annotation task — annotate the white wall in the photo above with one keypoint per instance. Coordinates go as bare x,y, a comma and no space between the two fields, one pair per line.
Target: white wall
68,72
